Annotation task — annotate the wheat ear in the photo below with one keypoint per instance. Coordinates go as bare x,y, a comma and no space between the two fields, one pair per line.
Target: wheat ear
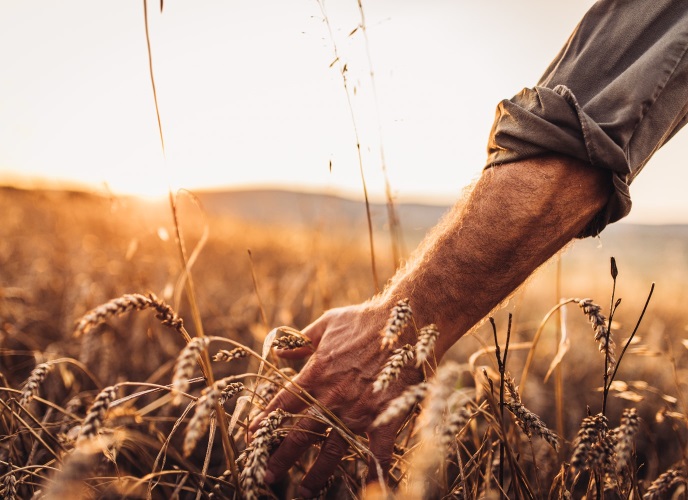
253,475
390,372
219,392
125,303
95,416
183,368
33,383
398,319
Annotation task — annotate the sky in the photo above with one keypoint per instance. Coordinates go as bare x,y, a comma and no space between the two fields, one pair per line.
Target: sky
252,94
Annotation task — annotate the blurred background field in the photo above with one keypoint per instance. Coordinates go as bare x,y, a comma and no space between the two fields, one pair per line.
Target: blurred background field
63,253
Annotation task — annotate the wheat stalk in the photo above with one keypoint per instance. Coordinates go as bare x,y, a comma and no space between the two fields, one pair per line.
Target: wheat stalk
96,414
593,430
183,369
9,485
661,486
227,356
625,435
219,392
253,475
605,343
126,303
402,404
290,342
398,319
33,383
390,372
427,336
529,422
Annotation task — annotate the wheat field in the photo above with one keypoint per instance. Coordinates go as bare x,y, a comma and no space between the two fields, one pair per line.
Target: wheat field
123,377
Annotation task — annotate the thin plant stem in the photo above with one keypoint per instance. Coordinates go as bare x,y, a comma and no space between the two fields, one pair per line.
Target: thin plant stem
342,71
612,309
630,339
229,446
558,372
392,216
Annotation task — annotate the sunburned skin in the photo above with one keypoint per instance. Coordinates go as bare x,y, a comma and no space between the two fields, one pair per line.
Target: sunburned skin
514,219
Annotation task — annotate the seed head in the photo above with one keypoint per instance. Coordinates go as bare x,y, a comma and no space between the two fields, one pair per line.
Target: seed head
185,364
390,372
398,319
225,355
426,343
36,377
96,414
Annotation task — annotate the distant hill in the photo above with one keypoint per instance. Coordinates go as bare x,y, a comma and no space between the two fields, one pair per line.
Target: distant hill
273,207
309,210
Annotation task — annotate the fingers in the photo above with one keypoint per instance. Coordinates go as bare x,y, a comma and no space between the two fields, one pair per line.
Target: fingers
306,432
382,441
331,452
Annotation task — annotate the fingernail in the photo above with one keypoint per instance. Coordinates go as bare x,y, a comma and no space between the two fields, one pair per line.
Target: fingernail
269,477
305,492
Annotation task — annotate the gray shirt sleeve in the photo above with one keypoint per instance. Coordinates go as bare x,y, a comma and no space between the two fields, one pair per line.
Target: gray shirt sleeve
616,92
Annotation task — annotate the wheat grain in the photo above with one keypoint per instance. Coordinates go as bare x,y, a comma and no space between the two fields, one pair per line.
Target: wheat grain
625,435
211,396
529,422
456,420
605,343
253,475
402,404
227,356
390,372
183,368
426,343
398,319
9,485
96,414
126,303
439,392
593,429
290,342
661,486
33,383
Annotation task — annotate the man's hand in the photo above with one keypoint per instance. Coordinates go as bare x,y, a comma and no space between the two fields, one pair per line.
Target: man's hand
516,217
348,358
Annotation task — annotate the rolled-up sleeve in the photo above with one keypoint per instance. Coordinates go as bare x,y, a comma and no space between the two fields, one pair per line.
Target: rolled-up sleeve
616,92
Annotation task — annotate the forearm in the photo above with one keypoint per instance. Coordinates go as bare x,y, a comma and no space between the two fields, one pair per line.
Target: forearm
517,216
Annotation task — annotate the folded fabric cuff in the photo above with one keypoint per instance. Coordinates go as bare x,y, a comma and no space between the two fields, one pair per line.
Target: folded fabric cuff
542,121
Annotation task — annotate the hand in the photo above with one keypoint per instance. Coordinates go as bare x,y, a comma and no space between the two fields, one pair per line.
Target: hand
340,373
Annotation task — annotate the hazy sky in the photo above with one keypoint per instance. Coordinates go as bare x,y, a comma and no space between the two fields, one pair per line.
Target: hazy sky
249,96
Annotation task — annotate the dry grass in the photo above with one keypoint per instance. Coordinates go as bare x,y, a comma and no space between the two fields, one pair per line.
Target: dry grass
92,415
